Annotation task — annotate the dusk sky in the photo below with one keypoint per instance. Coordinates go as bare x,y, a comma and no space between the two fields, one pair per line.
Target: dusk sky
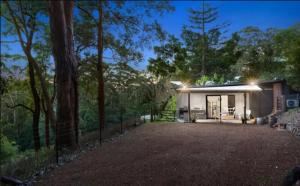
240,14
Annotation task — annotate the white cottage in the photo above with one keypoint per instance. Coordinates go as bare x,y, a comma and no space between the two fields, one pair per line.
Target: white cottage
230,103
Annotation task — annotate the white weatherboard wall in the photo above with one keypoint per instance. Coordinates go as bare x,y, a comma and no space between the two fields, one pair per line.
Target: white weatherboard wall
224,103
239,103
198,100
182,100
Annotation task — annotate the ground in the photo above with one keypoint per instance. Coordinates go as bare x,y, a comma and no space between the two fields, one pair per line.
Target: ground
185,154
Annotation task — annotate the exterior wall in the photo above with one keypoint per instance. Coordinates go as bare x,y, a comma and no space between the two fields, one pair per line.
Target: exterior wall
261,103
239,103
278,101
198,100
224,103
182,100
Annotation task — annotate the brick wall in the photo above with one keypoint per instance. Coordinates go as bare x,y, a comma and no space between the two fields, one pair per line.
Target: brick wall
278,98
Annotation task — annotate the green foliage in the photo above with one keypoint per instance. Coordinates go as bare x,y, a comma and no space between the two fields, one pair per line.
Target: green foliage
288,45
25,164
210,80
258,59
199,53
248,54
170,58
171,105
8,148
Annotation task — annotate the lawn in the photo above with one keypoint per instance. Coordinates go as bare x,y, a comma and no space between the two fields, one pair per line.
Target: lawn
185,154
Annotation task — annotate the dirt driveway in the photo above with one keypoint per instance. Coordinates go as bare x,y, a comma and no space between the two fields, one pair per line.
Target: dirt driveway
185,154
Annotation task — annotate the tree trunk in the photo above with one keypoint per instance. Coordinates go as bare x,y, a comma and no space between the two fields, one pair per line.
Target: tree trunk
76,106
36,112
100,70
203,70
47,132
61,16
44,87
47,140
151,114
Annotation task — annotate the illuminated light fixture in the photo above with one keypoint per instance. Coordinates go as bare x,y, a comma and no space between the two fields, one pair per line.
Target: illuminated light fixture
252,81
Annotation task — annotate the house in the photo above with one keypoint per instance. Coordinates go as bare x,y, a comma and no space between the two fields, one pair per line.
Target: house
232,102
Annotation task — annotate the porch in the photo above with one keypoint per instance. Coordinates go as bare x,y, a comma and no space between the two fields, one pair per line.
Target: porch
223,104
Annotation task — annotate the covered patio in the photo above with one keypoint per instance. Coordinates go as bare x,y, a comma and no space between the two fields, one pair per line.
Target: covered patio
226,103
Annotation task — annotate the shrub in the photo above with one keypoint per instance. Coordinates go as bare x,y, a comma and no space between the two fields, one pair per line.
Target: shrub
8,148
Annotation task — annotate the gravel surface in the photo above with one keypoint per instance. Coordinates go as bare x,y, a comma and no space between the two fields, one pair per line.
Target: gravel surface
185,154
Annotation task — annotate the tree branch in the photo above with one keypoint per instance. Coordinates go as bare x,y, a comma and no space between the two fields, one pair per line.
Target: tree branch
32,30
20,105
23,22
16,24
87,12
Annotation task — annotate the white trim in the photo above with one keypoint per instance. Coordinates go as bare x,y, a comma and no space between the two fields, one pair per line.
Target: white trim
223,88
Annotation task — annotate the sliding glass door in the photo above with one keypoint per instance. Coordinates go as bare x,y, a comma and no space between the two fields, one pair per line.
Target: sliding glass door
213,104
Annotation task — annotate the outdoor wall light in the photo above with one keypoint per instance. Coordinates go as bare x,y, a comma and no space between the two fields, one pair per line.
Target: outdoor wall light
252,82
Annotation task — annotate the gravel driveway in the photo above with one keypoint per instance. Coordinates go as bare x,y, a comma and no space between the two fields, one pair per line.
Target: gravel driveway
185,154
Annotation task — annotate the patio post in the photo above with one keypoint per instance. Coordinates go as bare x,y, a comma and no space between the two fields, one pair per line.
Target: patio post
245,104
220,109
189,107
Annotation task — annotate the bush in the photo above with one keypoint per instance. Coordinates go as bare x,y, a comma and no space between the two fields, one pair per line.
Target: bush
8,148
171,105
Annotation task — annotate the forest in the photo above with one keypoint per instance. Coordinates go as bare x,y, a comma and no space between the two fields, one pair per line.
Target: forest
67,67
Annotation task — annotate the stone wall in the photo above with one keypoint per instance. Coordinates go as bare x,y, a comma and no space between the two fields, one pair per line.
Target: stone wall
290,117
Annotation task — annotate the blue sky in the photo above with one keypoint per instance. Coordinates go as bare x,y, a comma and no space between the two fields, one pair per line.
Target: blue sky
263,14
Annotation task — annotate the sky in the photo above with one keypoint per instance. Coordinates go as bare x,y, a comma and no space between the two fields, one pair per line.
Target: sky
240,14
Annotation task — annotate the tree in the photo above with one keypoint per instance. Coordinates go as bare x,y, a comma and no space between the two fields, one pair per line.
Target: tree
61,26
23,22
208,36
199,52
101,97
288,47
23,18
171,59
133,33
258,58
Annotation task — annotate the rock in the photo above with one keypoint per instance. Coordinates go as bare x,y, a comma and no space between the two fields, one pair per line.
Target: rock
292,177
11,180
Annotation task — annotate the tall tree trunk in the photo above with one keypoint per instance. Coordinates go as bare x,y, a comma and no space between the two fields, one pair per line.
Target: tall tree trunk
47,132
76,105
49,106
68,6
100,69
203,70
61,16
36,112
2,87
